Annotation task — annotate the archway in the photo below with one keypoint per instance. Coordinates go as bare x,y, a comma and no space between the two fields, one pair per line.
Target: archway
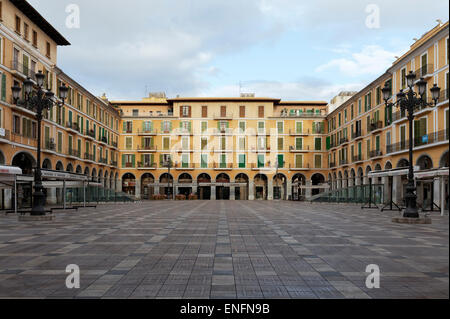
204,186
367,179
298,184
166,179
279,186
388,165
185,184
223,187
59,166
241,190
2,158
94,174
47,164
424,162
360,178
112,184
444,160
352,177
105,180
147,185
69,168
339,183
86,171
25,161
345,181
335,181
403,163
79,170
317,179
129,184
260,181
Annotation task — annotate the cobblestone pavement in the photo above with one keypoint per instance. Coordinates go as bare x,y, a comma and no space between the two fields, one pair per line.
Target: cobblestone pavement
218,249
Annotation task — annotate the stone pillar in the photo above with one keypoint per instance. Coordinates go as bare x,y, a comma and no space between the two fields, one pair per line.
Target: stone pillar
437,191
288,189
397,189
270,189
51,196
386,191
213,192
232,193
366,180
138,189
251,190
156,189
350,182
308,190
8,198
194,189
119,186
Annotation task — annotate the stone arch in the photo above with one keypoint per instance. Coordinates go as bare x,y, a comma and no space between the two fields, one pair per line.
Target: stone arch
204,178
128,183
25,161
204,191
261,186
69,168
279,186
241,178
402,163
166,178
388,165
424,162
47,164
378,167
185,178
443,162
86,171
94,174
147,185
79,170
59,166
316,180
223,178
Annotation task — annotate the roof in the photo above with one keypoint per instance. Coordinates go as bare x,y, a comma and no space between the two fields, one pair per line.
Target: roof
223,99
43,24
321,103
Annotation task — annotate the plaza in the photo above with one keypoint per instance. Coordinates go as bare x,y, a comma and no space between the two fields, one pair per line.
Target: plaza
223,249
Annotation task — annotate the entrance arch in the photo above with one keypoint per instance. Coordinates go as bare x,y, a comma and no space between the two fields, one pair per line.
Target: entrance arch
69,168
47,164
2,158
223,187
147,185
279,186
298,181
185,184
424,162
79,170
129,184
241,191
25,161
167,180
204,186
444,160
316,180
59,166
261,182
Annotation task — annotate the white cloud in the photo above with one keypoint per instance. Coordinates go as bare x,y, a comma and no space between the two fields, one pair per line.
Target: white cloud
372,60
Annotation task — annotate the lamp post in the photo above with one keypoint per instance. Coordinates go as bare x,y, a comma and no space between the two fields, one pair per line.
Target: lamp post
39,101
409,101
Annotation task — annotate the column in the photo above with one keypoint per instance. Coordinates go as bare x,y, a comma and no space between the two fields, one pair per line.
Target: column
251,190
156,189
270,189
194,189
387,195
289,189
350,182
437,191
397,189
308,189
138,189
233,193
51,196
119,186
213,192
8,198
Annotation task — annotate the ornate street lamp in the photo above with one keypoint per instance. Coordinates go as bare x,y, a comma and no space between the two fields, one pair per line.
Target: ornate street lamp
410,101
38,101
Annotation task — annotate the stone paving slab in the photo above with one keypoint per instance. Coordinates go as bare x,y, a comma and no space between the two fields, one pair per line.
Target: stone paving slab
223,249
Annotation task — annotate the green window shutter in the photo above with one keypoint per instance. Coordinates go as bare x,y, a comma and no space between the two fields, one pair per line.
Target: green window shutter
152,159
280,161
161,158
218,126
170,126
63,116
190,127
298,143
3,86
133,160
123,160
328,141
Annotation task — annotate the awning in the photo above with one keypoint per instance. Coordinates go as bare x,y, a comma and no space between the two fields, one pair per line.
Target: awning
432,173
392,172
10,170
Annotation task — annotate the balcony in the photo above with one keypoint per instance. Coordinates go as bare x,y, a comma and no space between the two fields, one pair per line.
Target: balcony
74,153
147,148
222,166
425,71
357,158
146,165
301,114
147,132
343,141
185,166
73,127
375,126
114,144
184,131
103,161
297,133
427,139
332,164
89,157
129,165
50,146
260,149
357,135
22,70
90,134
375,154
4,135
343,162
103,140
114,163
301,167
398,116
223,116
294,149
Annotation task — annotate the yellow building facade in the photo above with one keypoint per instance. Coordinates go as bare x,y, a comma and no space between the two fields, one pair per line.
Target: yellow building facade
222,148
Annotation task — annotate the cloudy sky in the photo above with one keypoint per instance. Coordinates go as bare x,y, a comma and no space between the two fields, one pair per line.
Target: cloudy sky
290,49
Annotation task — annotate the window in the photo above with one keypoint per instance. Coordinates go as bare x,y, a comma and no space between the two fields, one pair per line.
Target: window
299,143
185,160
60,138
128,142
48,52
318,143
368,148
420,129
128,160
135,113
299,161
18,23
261,161
280,127
35,38
261,143
204,126
166,143
204,111
166,126
185,126
25,31
261,111
403,78
280,161
204,143
359,106
423,64
261,127
280,143
185,111
223,160
204,161
299,127
388,138
185,143
16,125
318,161
242,111
242,143
242,162
223,111
147,126
352,112
242,126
